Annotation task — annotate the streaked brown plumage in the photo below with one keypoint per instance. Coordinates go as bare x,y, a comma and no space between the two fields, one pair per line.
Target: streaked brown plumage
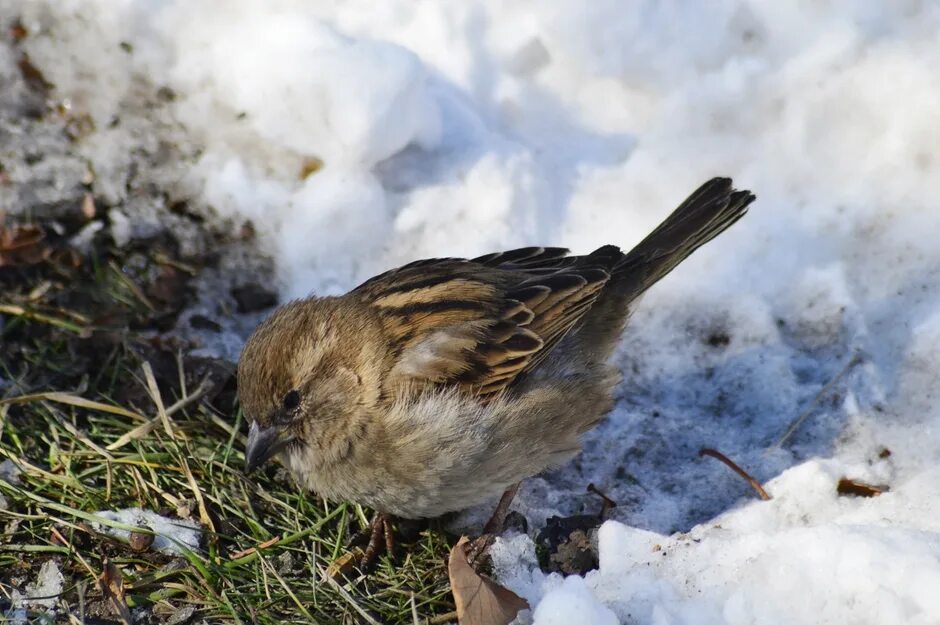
438,385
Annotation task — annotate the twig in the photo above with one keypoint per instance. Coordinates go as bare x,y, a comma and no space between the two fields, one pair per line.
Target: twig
440,619
794,426
251,550
607,502
714,453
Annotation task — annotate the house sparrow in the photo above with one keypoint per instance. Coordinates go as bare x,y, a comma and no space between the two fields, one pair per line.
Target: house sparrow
438,385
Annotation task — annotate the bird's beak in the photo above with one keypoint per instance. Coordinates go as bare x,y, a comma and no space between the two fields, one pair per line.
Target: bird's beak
263,444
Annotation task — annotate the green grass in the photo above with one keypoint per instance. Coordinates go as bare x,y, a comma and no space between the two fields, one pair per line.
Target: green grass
93,425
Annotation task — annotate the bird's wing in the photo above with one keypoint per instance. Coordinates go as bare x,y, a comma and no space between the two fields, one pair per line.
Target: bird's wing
480,324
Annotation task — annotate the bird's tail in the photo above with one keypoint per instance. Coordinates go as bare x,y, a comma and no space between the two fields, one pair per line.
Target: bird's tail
708,212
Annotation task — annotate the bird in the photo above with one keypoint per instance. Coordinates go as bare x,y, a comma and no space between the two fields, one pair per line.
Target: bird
442,384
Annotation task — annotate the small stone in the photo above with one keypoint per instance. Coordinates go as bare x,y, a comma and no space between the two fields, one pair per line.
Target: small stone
140,541
253,297
182,615
201,322
516,522
88,206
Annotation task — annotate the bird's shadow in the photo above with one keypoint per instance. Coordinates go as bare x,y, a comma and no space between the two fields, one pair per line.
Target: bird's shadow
706,390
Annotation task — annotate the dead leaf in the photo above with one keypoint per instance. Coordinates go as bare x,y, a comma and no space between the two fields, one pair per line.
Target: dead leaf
32,75
310,166
111,583
345,564
18,32
23,245
479,600
858,489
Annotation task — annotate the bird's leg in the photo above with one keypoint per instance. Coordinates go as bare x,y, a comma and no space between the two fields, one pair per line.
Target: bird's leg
380,526
389,537
493,527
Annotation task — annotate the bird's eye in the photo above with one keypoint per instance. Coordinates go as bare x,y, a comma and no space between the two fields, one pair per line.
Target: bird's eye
291,400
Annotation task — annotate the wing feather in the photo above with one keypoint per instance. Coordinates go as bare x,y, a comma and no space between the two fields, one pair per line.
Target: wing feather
481,324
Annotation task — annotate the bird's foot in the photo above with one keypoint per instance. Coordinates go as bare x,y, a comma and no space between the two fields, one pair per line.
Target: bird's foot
493,527
381,533
477,549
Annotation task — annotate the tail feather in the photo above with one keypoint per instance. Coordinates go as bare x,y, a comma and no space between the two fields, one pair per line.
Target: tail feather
708,212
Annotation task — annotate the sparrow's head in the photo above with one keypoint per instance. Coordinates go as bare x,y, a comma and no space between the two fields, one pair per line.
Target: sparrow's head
306,379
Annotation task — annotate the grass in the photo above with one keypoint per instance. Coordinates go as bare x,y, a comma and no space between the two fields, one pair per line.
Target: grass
100,411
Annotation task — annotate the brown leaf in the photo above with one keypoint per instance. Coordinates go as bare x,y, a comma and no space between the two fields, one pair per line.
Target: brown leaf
309,167
344,564
18,32
23,245
111,583
479,600
32,75
858,489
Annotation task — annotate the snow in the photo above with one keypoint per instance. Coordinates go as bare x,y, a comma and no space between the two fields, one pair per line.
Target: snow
171,536
807,556
44,591
41,594
459,129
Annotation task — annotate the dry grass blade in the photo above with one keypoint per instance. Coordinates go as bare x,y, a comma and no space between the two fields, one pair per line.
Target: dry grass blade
157,400
131,286
154,392
441,619
144,429
15,310
73,400
137,433
796,423
247,552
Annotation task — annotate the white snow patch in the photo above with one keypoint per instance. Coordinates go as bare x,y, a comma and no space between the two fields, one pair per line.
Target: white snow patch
171,536
807,556
41,594
44,591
